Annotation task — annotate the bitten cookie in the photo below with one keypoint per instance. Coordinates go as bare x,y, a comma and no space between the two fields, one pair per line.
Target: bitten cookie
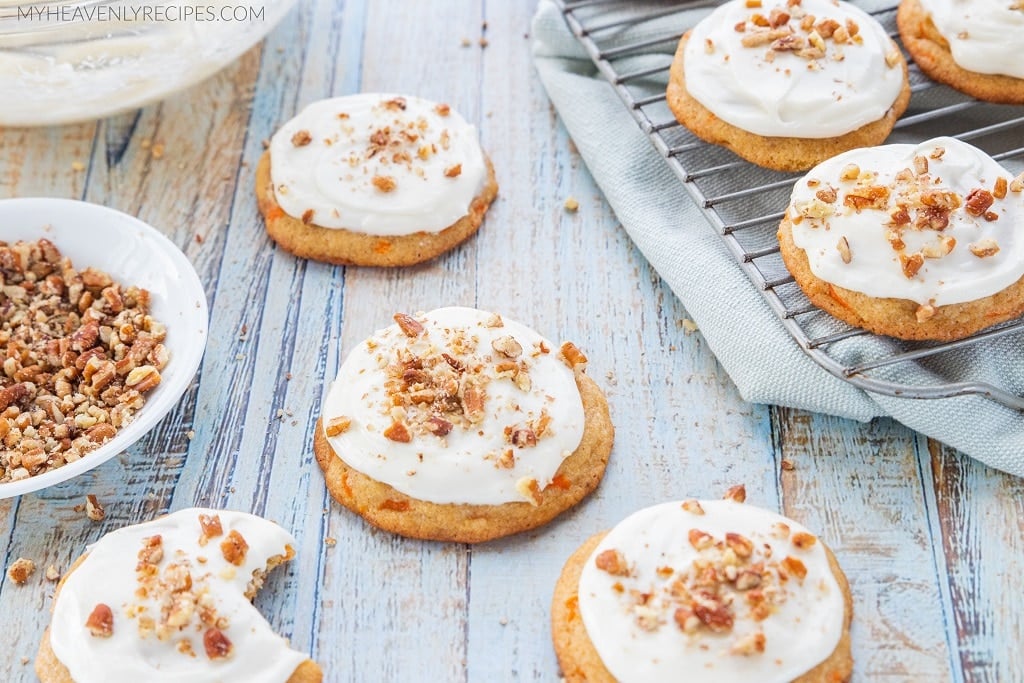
914,242
703,591
971,45
786,84
374,180
170,600
461,425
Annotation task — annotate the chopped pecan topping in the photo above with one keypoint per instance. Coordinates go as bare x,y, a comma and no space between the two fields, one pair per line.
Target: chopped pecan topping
301,138
613,562
307,216
409,325
101,621
524,438
384,183
507,346
850,172
397,431
234,548
844,249
572,355
700,540
1000,187
827,195
453,171
152,551
803,540
528,488
438,426
978,202
211,528
984,248
736,493
932,218
714,615
911,264
750,644
870,197
741,545
693,507
794,567
337,425
216,644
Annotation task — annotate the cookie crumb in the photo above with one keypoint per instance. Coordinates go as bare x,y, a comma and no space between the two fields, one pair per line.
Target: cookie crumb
571,204
689,327
20,570
52,573
483,43
465,42
330,541
503,621
787,465
190,434
77,166
158,151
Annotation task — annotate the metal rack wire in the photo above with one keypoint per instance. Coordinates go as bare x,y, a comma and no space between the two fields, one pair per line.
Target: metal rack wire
744,202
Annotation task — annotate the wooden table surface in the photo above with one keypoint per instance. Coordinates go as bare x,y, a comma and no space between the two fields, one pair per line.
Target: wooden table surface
932,541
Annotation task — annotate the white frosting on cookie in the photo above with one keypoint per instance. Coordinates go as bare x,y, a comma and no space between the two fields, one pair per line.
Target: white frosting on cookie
910,256
377,164
656,607
984,36
476,429
804,77
161,618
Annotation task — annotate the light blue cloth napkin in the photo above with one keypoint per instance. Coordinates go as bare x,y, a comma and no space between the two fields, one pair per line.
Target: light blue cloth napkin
760,356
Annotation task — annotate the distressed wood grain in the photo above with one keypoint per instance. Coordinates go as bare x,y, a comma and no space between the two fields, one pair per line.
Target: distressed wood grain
860,488
980,522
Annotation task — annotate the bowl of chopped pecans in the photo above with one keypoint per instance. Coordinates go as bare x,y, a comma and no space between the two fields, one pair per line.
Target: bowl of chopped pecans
103,323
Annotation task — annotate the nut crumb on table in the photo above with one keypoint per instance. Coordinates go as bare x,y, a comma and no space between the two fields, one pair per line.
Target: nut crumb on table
80,352
20,570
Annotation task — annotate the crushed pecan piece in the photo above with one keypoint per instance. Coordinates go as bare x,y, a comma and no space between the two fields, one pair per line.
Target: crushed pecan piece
523,438
752,643
101,621
572,355
803,540
20,570
613,562
507,346
438,426
301,138
984,248
211,528
741,545
152,551
93,509
736,493
384,183
693,507
844,249
398,432
700,540
1000,187
453,171
794,567
911,264
978,202
409,325
234,548
216,644
337,425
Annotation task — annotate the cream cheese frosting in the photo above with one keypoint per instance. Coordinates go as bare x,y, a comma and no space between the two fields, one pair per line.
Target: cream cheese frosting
456,405
936,223
377,164
717,589
813,69
984,36
166,586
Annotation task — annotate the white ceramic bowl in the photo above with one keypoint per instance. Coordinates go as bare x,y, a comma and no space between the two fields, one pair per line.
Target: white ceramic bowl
133,253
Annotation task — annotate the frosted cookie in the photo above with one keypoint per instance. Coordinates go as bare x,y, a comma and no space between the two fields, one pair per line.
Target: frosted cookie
461,425
915,242
971,45
705,591
170,600
788,84
374,180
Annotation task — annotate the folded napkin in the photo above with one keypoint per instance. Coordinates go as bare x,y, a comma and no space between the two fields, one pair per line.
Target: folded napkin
748,339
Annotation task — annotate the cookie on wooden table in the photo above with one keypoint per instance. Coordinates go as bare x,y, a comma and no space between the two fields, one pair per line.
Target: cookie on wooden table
971,45
170,600
374,180
788,83
912,241
461,425
704,591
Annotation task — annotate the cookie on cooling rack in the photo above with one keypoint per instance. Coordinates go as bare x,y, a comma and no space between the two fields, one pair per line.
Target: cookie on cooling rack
788,83
461,425
973,46
911,241
374,180
718,589
172,600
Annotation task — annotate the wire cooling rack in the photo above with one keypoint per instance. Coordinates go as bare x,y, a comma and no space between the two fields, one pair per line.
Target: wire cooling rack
631,44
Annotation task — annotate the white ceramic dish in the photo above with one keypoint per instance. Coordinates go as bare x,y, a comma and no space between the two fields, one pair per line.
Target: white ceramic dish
133,253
